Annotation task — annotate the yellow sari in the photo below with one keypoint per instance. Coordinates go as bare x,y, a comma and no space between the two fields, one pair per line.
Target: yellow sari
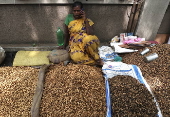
83,47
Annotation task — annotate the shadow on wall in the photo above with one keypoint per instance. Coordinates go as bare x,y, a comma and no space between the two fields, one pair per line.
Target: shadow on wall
110,20
31,23
165,25
143,27
38,23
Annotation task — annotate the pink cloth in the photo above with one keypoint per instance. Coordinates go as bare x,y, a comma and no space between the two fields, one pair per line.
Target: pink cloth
132,40
153,42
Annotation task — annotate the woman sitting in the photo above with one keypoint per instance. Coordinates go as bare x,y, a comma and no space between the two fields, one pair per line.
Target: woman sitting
83,44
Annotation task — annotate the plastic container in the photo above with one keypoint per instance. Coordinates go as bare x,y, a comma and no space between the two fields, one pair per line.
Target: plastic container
146,50
60,37
118,58
151,57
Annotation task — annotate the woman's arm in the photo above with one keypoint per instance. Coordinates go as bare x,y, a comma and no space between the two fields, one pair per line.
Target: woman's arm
67,36
89,29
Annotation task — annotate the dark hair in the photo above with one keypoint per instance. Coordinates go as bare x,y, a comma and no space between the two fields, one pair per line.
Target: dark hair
77,3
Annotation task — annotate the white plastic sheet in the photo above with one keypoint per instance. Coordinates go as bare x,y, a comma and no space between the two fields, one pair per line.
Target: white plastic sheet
169,41
119,49
106,53
2,54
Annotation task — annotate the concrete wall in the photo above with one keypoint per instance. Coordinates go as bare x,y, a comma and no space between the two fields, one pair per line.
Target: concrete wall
151,18
165,25
38,23
23,24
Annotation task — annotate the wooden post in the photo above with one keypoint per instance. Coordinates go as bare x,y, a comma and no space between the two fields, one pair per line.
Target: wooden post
131,17
136,16
38,92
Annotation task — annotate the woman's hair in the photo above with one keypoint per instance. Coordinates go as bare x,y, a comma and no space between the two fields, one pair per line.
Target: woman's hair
77,3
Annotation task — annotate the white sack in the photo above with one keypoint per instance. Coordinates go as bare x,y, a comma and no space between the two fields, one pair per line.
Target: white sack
2,54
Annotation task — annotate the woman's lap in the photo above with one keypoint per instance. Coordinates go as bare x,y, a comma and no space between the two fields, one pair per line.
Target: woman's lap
87,51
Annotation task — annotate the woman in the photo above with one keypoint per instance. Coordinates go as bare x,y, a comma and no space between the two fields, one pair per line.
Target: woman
83,45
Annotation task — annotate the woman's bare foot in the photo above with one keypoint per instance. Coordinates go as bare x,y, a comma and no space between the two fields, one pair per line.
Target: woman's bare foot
99,62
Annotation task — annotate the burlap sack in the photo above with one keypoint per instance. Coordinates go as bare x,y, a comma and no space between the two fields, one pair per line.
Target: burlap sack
57,56
2,54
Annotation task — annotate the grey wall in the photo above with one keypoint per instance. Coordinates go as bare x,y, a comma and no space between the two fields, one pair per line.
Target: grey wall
151,18
165,25
38,23
30,23
23,24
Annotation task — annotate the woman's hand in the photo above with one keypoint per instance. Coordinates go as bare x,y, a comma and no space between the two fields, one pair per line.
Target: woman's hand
66,39
61,47
83,14
89,29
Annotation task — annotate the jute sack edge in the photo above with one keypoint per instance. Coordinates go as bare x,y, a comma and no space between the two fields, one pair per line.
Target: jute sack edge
57,56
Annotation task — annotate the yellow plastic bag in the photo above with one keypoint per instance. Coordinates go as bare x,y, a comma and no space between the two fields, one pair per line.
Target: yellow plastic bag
31,58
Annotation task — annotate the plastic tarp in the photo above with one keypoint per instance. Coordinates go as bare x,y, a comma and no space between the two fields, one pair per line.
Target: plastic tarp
2,54
119,49
169,41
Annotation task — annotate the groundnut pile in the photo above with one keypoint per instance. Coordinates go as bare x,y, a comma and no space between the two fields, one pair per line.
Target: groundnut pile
156,73
130,98
17,87
73,91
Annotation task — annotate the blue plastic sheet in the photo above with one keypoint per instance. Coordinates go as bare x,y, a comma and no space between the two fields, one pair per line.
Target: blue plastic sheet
108,100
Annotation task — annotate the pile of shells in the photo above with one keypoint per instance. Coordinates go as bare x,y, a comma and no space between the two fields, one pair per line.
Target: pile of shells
130,98
156,73
17,87
73,91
